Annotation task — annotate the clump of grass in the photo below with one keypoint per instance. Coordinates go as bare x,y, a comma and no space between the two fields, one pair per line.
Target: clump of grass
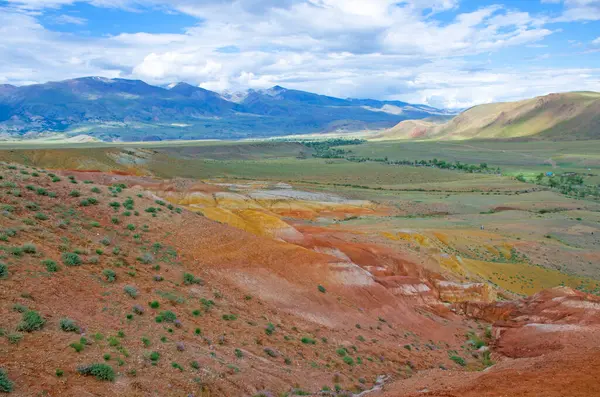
229,317
102,372
6,385
189,279
168,316
109,275
131,291
29,248
51,265
71,259
3,270
31,321
19,308
69,325
308,341
459,360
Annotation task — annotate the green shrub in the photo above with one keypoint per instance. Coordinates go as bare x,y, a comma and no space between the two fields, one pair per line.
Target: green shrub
69,325
3,270
41,216
459,360
75,193
77,346
168,316
131,291
109,275
29,248
32,206
348,360
6,384
270,329
55,179
31,321
239,353
131,227
189,279
195,365
96,190
321,289
19,308
229,317
154,304
71,259
308,341
100,371
59,373
51,266
342,352
154,356
14,338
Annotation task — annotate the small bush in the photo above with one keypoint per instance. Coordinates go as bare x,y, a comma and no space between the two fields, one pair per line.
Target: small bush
168,316
59,373
96,190
189,279
131,291
29,248
6,384
270,352
31,321
71,259
102,372
154,304
239,353
459,360
69,325
75,193
348,360
51,266
154,356
109,275
131,227
229,317
321,289
19,308
15,338
3,270
308,341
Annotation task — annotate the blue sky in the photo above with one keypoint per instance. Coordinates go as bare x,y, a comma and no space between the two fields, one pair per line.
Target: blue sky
445,53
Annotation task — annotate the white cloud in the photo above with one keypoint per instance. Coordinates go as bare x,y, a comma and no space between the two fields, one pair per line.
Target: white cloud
396,49
596,41
69,20
578,10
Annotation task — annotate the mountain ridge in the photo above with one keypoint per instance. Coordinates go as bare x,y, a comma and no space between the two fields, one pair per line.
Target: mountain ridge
122,109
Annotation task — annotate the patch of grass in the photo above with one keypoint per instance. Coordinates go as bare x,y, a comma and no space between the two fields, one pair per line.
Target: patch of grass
71,259
189,279
31,321
102,372
6,385
69,325
229,317
109,275
459,360
3,270
131,291
51,265
308,341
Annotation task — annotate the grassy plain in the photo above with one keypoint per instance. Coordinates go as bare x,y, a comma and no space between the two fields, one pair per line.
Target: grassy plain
553,235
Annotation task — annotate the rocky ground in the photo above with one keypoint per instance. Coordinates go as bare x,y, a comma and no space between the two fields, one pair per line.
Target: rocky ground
177,288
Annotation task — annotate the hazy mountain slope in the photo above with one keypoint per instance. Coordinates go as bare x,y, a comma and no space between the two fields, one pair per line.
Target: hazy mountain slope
566,116
119,109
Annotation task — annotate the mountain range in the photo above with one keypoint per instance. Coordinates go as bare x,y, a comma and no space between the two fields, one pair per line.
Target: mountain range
564,116
132,110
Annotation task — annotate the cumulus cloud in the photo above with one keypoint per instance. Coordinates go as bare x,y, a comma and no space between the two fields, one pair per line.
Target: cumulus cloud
396,49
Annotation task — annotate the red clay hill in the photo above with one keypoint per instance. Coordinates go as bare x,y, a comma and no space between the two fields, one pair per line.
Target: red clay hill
108,289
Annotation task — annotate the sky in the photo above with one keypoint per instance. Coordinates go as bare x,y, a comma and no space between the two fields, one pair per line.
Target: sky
444,53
